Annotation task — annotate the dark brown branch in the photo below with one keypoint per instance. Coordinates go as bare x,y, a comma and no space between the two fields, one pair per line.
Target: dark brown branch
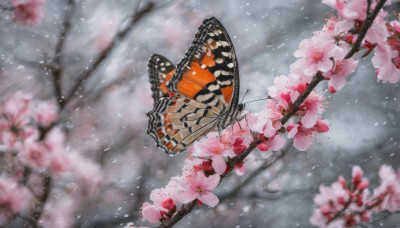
296,105
100,59
56,66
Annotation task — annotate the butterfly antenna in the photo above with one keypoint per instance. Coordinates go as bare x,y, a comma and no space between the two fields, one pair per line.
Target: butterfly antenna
267,98
245,93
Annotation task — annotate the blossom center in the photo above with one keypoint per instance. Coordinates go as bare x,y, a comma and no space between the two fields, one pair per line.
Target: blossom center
317,56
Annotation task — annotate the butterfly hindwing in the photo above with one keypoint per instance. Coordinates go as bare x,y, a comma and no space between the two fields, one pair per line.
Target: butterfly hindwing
203,91
160,72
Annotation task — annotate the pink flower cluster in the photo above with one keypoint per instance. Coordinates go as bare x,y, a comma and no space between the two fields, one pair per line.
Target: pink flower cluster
28,12
208,160
382,38
29,156
348,204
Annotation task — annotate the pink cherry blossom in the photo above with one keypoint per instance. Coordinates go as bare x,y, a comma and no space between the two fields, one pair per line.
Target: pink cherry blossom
45,113
378,32
387,71
315,55
35,155
216,148
28,12
274,143
87,174
13,198
199,187
389,189
349,9
343,203
303,136
164,197
311,109
285,90
59,213
266,122
151,212
242,130
343,67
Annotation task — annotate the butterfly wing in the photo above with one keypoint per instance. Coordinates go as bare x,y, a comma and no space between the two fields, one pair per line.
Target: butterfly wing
209,73
160,72
204,91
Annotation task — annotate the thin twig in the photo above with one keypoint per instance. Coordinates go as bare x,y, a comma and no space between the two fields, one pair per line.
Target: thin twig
265,165
296,105
56,66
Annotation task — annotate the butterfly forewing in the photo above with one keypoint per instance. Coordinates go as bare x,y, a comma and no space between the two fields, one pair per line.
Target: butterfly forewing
203,91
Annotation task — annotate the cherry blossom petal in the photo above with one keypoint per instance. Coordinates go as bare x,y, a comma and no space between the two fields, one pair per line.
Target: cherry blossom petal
209,198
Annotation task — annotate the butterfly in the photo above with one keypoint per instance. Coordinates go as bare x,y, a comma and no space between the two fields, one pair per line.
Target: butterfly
198,95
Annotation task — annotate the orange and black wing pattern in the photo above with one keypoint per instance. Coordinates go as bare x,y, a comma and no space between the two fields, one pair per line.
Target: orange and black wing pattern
160,72
203,91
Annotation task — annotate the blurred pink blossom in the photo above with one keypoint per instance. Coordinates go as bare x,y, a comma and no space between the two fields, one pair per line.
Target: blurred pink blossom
28,12
36,155
13,198
45,112
58,213
389,189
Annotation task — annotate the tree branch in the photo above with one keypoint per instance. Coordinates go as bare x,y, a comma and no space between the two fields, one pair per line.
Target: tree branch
100,59
187,208
56,66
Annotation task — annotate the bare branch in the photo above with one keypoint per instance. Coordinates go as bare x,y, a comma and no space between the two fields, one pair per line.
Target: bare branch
56,66
140,14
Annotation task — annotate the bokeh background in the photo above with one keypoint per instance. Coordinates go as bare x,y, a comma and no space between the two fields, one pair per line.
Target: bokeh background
107,119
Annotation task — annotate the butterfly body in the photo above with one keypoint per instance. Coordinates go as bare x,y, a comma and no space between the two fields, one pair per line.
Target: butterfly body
199,95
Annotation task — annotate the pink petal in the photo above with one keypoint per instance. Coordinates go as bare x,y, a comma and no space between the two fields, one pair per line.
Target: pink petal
337,81
151,213
187,196
219,164
277,142
209,198
211,182
302,143
292,130
309,119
